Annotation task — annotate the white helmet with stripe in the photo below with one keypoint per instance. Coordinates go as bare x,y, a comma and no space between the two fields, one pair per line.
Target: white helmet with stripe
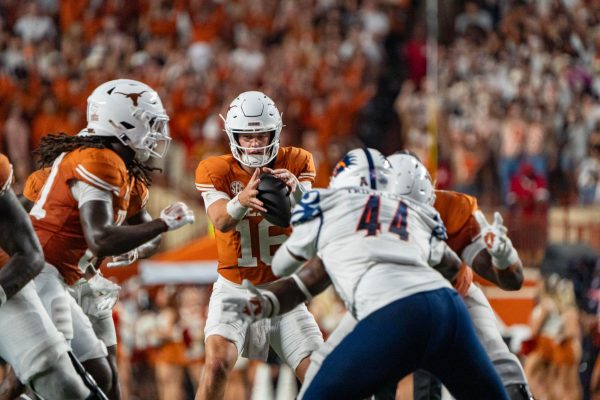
362,167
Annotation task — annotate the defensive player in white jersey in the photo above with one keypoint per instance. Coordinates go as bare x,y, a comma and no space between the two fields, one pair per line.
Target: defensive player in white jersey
419,321
29,341
494,259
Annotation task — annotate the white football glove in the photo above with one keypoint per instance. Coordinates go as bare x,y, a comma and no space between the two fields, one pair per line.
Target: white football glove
497,242
97,296
124,259
254,306
177,215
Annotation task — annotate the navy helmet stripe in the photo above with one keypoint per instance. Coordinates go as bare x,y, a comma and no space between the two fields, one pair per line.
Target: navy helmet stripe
372,174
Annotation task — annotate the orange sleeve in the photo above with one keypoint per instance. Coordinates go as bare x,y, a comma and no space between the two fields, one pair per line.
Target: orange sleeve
6,173
456,210
306,167
209,175
101,168
35,183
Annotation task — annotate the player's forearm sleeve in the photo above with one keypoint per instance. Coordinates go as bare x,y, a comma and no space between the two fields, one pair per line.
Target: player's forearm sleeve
286,263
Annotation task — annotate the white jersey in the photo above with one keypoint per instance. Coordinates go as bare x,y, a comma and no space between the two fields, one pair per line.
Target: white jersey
377,247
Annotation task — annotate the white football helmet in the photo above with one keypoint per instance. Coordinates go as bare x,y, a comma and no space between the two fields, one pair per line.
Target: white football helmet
362,167
132,112
253,112
411,178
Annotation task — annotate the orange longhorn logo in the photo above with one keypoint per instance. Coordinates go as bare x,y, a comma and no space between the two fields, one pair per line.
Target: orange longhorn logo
133,96
489,239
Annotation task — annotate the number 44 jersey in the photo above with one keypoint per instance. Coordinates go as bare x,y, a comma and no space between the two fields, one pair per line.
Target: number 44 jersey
377,247
246,252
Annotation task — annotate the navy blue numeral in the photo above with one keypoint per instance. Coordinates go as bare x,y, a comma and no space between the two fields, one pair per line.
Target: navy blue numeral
370,217
399,223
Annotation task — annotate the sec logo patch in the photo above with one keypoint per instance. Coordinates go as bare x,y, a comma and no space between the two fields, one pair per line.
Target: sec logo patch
236,187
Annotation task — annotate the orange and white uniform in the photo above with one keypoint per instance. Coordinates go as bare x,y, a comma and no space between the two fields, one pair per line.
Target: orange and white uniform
246,252
456,210
55,215
57,193
30,342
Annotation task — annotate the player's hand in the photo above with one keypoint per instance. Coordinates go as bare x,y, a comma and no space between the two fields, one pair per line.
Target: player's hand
98,296
496,240
247,197
249,308
177,215
286,176
463,280
124,259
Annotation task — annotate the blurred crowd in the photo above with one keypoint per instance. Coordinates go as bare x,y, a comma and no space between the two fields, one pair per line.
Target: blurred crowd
517,102
319,60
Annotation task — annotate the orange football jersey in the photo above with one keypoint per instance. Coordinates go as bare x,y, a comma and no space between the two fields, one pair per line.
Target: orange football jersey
55,214
456,210
6,173
247,251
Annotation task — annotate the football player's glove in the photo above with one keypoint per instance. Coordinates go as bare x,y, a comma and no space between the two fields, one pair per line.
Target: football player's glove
254,306
177,215
124,259
97,296
496,240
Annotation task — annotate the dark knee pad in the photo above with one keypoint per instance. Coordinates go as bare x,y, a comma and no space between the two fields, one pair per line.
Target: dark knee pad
519,392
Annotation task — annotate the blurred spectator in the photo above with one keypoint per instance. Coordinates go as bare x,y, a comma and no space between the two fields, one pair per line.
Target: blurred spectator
33,26
528,193
589,175
473,16
17,136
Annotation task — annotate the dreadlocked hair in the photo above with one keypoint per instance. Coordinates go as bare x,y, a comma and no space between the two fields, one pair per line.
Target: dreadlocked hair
55,144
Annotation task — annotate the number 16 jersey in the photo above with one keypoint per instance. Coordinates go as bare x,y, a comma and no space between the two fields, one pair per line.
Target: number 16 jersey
246,252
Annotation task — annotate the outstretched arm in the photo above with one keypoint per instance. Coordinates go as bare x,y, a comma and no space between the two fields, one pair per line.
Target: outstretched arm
498,262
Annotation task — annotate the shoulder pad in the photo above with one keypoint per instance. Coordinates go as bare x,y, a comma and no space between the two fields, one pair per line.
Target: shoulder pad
34,183
6,173
101,168
210,172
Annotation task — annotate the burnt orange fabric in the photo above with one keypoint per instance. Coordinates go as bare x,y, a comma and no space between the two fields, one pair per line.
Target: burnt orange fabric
456,210
55,215
170,353
224,173
5,171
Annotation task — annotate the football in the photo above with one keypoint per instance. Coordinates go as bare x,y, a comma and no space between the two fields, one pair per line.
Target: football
274,193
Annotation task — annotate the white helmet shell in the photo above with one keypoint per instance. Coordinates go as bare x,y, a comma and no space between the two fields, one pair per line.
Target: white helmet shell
412,179
132,112
253,112
362,167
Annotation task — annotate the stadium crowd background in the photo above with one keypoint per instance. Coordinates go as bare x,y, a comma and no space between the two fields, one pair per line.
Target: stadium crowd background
516,103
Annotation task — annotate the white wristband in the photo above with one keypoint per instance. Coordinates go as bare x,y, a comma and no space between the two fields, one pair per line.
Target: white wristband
302,287
2,296
274,303
235,209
